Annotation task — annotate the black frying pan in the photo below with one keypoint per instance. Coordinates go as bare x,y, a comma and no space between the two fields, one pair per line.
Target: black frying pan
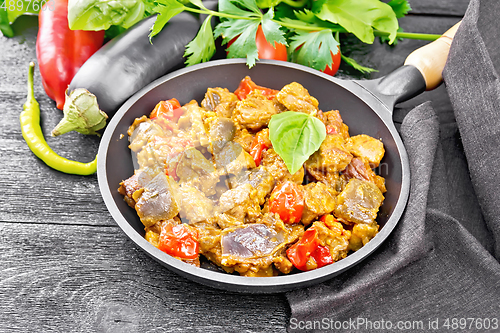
365,106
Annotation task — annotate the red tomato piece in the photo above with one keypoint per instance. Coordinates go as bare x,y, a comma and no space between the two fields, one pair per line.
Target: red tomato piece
170,109
260,143
246,86
308,246
300,252
179,241
287,200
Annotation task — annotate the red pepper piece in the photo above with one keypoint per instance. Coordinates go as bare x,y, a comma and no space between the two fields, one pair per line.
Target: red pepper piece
288,201
308,246
247,86
260,143
61,51
170,109
179,241
300,252
322,256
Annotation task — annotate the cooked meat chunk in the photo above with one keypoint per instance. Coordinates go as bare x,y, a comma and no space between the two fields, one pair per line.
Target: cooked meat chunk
296,98
333,236
240,202
359,202
260,179
195,206
129,186
141,131
192,121
331,157
220,101
334,123
222,130
254,112
277,168
361,234
244,138
319,200
233,159
360,169
164,152
368,148
193,165
225,221
157,201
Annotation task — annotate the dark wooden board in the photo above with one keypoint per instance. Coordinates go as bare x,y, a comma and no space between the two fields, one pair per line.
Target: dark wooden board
85,279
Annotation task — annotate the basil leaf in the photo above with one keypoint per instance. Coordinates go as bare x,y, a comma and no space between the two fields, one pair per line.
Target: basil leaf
296,136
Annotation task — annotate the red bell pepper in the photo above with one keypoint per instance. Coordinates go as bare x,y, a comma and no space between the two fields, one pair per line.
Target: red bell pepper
61,51
287,200
170,110
246,86
308,247
179,241
260,143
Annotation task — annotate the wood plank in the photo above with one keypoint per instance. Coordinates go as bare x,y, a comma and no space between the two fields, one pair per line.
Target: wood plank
83,279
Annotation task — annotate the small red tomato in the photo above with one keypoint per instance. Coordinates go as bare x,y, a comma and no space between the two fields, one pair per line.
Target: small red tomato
179,241
170,109
288,201
268,51
336,63
246,86
260,143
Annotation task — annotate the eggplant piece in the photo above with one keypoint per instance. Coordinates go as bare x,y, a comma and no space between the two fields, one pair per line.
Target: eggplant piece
129,62
255,240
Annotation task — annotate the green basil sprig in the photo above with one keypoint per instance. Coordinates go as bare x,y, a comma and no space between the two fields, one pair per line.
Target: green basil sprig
296,136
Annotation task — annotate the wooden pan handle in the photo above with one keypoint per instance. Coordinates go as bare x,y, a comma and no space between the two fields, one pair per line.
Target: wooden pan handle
431,58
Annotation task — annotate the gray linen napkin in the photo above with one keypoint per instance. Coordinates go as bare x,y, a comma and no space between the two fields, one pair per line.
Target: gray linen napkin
439,270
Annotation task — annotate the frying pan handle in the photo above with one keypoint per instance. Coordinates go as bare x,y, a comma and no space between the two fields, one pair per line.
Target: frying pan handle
422,70
431,58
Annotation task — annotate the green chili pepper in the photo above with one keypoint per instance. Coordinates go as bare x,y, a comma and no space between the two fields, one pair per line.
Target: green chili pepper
32,133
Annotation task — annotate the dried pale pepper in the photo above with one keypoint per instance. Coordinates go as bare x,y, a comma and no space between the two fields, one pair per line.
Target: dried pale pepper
33,135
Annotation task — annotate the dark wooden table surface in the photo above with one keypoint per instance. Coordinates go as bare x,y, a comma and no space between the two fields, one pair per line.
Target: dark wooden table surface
67,267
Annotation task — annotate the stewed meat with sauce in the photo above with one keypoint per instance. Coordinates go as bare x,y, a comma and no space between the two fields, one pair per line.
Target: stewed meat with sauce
208,183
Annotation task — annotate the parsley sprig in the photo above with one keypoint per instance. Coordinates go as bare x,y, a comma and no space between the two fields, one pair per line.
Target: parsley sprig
309,28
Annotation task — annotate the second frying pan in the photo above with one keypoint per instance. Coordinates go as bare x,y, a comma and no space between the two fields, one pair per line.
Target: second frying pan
365,106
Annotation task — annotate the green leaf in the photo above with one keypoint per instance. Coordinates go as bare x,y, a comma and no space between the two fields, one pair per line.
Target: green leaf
5,27
101,14
355,65
313,48
400,7
272,30
202,47
268,3
296,136
244,46
359,17
198,4
166,9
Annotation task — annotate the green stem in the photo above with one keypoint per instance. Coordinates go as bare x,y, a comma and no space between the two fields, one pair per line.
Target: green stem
219,14
31,90
407,35
295,4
